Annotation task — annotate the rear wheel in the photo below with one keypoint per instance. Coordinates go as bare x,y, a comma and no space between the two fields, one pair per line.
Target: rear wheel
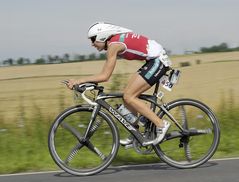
195,147
77,154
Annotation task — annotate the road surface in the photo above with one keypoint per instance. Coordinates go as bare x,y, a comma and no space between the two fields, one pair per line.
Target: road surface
212,171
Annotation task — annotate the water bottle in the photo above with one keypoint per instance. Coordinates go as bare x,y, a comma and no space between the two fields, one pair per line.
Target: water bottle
174,76
127,114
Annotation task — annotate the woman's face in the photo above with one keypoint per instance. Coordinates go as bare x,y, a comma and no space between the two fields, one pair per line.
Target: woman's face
98,45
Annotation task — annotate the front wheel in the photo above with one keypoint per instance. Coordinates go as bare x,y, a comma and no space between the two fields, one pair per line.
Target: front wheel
197,145
76,153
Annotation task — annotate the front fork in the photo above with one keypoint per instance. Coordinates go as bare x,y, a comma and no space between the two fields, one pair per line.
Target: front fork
92,119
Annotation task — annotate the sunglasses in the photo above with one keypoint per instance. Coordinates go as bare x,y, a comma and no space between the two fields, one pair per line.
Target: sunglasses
93,39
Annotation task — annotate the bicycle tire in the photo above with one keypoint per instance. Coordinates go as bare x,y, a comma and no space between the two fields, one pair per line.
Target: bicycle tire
83,158
191,151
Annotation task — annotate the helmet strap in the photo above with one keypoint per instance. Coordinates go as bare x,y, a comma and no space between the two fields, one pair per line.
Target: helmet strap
106,44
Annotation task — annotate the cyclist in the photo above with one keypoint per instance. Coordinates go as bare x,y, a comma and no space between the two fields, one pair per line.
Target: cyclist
123,42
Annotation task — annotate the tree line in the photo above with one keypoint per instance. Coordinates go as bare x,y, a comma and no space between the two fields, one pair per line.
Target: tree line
223,47
56,59
67,58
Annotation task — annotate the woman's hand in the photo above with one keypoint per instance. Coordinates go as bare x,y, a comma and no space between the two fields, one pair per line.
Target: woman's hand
72,82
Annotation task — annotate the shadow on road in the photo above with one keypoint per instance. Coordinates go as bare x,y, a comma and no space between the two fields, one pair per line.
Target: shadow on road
141,167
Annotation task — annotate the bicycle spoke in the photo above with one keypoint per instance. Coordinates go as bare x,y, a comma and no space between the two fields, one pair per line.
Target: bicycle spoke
184,117
187,152
71,129
94,149
73,152
195,132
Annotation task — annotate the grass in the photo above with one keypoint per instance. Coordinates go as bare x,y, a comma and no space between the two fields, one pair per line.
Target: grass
229,123
23,146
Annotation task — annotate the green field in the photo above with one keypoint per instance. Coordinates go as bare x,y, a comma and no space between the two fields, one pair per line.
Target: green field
31,97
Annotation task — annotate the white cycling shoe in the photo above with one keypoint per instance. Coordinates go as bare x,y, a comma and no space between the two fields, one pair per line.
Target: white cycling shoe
127,141
161,132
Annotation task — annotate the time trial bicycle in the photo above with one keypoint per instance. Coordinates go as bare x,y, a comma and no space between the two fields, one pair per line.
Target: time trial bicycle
84,139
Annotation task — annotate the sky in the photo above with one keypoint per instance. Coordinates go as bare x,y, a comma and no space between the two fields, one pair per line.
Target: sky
35,28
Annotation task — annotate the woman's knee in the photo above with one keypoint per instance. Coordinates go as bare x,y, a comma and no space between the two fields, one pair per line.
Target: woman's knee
128,98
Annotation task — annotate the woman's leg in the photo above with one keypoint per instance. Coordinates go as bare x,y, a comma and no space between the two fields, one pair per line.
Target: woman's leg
136,86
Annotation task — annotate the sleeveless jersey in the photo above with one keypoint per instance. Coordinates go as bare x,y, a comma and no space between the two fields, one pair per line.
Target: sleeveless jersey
135,45
139,47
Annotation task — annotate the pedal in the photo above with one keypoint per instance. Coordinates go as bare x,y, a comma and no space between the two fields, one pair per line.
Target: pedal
129,146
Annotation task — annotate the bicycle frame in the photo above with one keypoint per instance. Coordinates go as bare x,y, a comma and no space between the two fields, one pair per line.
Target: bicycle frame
118,116
100,102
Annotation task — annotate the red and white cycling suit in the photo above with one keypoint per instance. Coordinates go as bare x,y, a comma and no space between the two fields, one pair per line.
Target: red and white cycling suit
139,47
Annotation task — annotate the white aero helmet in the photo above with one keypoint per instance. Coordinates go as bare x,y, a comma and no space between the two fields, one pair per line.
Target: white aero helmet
101,31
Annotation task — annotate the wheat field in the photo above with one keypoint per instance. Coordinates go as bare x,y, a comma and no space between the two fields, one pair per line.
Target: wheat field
24,88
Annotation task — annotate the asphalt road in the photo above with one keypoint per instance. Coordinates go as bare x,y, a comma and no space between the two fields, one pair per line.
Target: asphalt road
213,171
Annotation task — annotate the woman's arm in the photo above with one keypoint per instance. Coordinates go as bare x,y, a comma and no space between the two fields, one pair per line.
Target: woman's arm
107,69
